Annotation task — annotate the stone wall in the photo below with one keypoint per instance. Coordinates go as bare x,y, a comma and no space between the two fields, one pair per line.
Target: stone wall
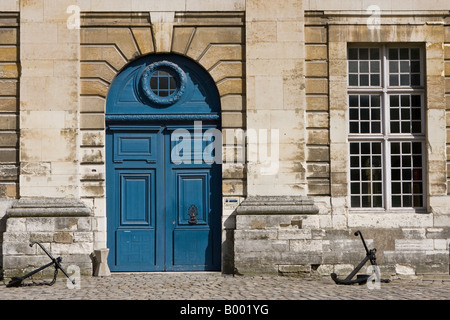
317,115
302,245
9,105
278,66
63,227
447,95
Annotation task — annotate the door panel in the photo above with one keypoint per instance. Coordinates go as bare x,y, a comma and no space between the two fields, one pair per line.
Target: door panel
192,190
192,248
135,146
138,200
136,250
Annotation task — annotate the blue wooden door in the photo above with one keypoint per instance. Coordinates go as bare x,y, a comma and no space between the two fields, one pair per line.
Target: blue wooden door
135,190
193,200
162,214
166,214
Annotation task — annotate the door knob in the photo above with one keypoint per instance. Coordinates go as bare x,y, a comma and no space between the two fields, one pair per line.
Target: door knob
192,213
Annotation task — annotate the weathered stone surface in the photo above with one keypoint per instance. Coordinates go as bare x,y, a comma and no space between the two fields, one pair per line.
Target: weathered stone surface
61,225
287,71
277,205
55,207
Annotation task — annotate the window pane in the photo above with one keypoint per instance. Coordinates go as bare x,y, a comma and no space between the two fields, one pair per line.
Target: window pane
375,100
355,202
364,80
395,127
364,100
415,79
395,148
404,66
418,201
393,66
375,114
353,67
415,53
354,148
365,127
364,112
393,80
396,201
395,161
416,127
364,66
353,54
416,100
396,188
407,201
417,147
354,175
407,179
377,202
365,148
415,66
404,53
366,185
404,79
376,162
393,54
364,70
353,79
375,66
355,188
376,148
401,117
364,54
374,79
376,127
374,54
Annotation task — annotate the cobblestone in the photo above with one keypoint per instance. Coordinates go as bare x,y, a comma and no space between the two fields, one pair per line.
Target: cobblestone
216,286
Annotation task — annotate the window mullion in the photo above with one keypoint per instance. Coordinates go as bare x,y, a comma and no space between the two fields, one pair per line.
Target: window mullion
386,119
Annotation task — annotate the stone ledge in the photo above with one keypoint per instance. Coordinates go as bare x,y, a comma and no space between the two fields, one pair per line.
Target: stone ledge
277,205
48,207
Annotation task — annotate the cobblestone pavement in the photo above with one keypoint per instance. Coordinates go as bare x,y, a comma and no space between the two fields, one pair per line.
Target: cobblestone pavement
216,286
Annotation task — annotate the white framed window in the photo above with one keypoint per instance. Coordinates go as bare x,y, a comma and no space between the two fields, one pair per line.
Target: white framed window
386,138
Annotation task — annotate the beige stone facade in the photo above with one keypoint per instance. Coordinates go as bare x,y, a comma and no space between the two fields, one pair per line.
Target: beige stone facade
281,70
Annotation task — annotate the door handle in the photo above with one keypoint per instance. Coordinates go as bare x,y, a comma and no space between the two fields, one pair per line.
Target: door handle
192,213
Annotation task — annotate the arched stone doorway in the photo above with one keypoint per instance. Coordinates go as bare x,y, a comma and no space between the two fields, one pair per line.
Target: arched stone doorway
163,183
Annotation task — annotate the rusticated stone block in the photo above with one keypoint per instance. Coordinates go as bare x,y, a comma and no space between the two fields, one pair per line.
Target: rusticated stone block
316,52
315,34
63,237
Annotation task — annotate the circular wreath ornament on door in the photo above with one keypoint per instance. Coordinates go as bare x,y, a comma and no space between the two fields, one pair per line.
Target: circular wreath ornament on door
163,83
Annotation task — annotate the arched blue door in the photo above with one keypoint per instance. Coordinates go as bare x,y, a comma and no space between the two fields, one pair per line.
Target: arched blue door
163,168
